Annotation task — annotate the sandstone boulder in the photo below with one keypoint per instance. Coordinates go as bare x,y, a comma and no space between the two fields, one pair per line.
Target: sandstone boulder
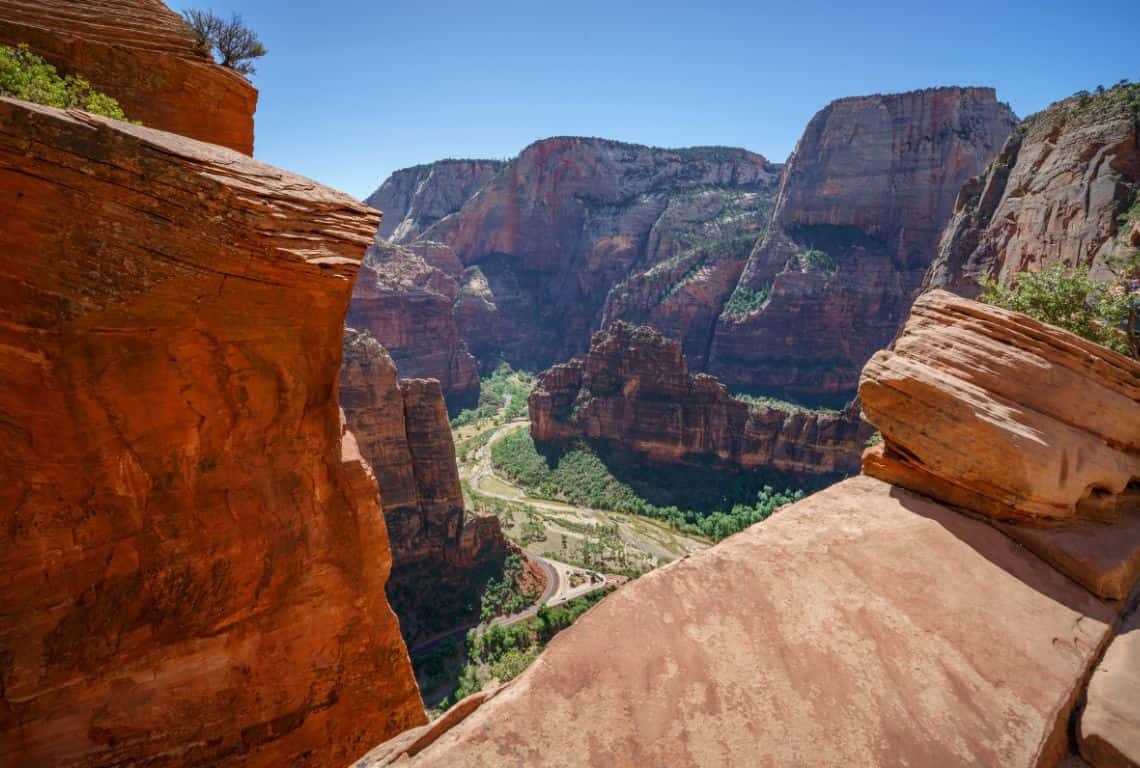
192,561
1003,415
1109,729
144,55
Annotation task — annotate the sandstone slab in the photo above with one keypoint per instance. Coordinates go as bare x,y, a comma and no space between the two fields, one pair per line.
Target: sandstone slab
1109,730
863,626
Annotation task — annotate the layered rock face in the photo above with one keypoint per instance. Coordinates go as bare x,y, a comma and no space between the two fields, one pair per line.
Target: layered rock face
634,392
569,219
407,298
860,208
869,624
144,55
1056,194
414,198
193,561
441,558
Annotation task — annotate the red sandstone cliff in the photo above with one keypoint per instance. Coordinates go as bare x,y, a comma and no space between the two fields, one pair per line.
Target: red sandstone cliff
634,392
868,624
192,562
1056,194
407,298
860,209
414,198
143,54
570,218
441,558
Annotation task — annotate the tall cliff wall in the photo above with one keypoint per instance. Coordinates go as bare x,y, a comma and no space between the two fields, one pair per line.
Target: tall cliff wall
860,209
634,392
143,54
408,297
192,561
442,558
869,624
414,198
1058,193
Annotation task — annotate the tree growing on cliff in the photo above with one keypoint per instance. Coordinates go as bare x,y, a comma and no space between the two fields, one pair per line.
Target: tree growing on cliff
230,42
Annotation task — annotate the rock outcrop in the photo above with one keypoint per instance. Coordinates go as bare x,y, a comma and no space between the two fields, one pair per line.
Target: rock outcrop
1057,193
868,624
570,218
414,198
860,209
634,393
144,55
441,558
406,297
192,560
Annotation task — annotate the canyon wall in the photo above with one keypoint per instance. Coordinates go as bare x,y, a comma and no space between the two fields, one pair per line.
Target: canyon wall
193,560
860,209
413,199
441,558
800,640
547,239
144,55
1063,190
408,298
633,392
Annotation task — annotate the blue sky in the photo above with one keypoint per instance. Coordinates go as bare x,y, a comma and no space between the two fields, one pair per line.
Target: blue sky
352,90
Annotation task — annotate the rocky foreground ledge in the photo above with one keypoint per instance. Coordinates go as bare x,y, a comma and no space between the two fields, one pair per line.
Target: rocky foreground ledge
871,624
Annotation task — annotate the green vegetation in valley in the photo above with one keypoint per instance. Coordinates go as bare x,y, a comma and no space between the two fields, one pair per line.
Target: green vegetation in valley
715,507
775,402
500,653
1102,311
505,595
744,301
815,260
502,397
26,76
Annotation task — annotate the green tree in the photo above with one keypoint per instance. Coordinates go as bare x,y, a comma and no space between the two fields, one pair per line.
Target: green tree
26,76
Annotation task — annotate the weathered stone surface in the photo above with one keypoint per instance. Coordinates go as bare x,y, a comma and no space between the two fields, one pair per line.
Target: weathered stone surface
634,392
1001,414
1054,195
192,561
870,186
405,298
571,218
863,626
143,54
441,558
1109,729
414,198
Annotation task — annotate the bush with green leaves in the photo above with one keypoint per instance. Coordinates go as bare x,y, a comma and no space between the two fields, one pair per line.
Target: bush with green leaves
1102,311
26,76
744,301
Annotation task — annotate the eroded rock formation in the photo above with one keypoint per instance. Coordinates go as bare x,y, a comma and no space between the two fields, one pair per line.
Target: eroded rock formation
144,55
869,624
442,558
860,209
414,198
1057,193
193,561
407,298
634,392
571,218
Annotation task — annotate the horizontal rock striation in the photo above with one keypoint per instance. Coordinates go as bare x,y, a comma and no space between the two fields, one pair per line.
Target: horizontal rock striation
1052,421
414,198
192,560
144,55
441,558
634,392
407,298
571,219
1057,193
860,209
